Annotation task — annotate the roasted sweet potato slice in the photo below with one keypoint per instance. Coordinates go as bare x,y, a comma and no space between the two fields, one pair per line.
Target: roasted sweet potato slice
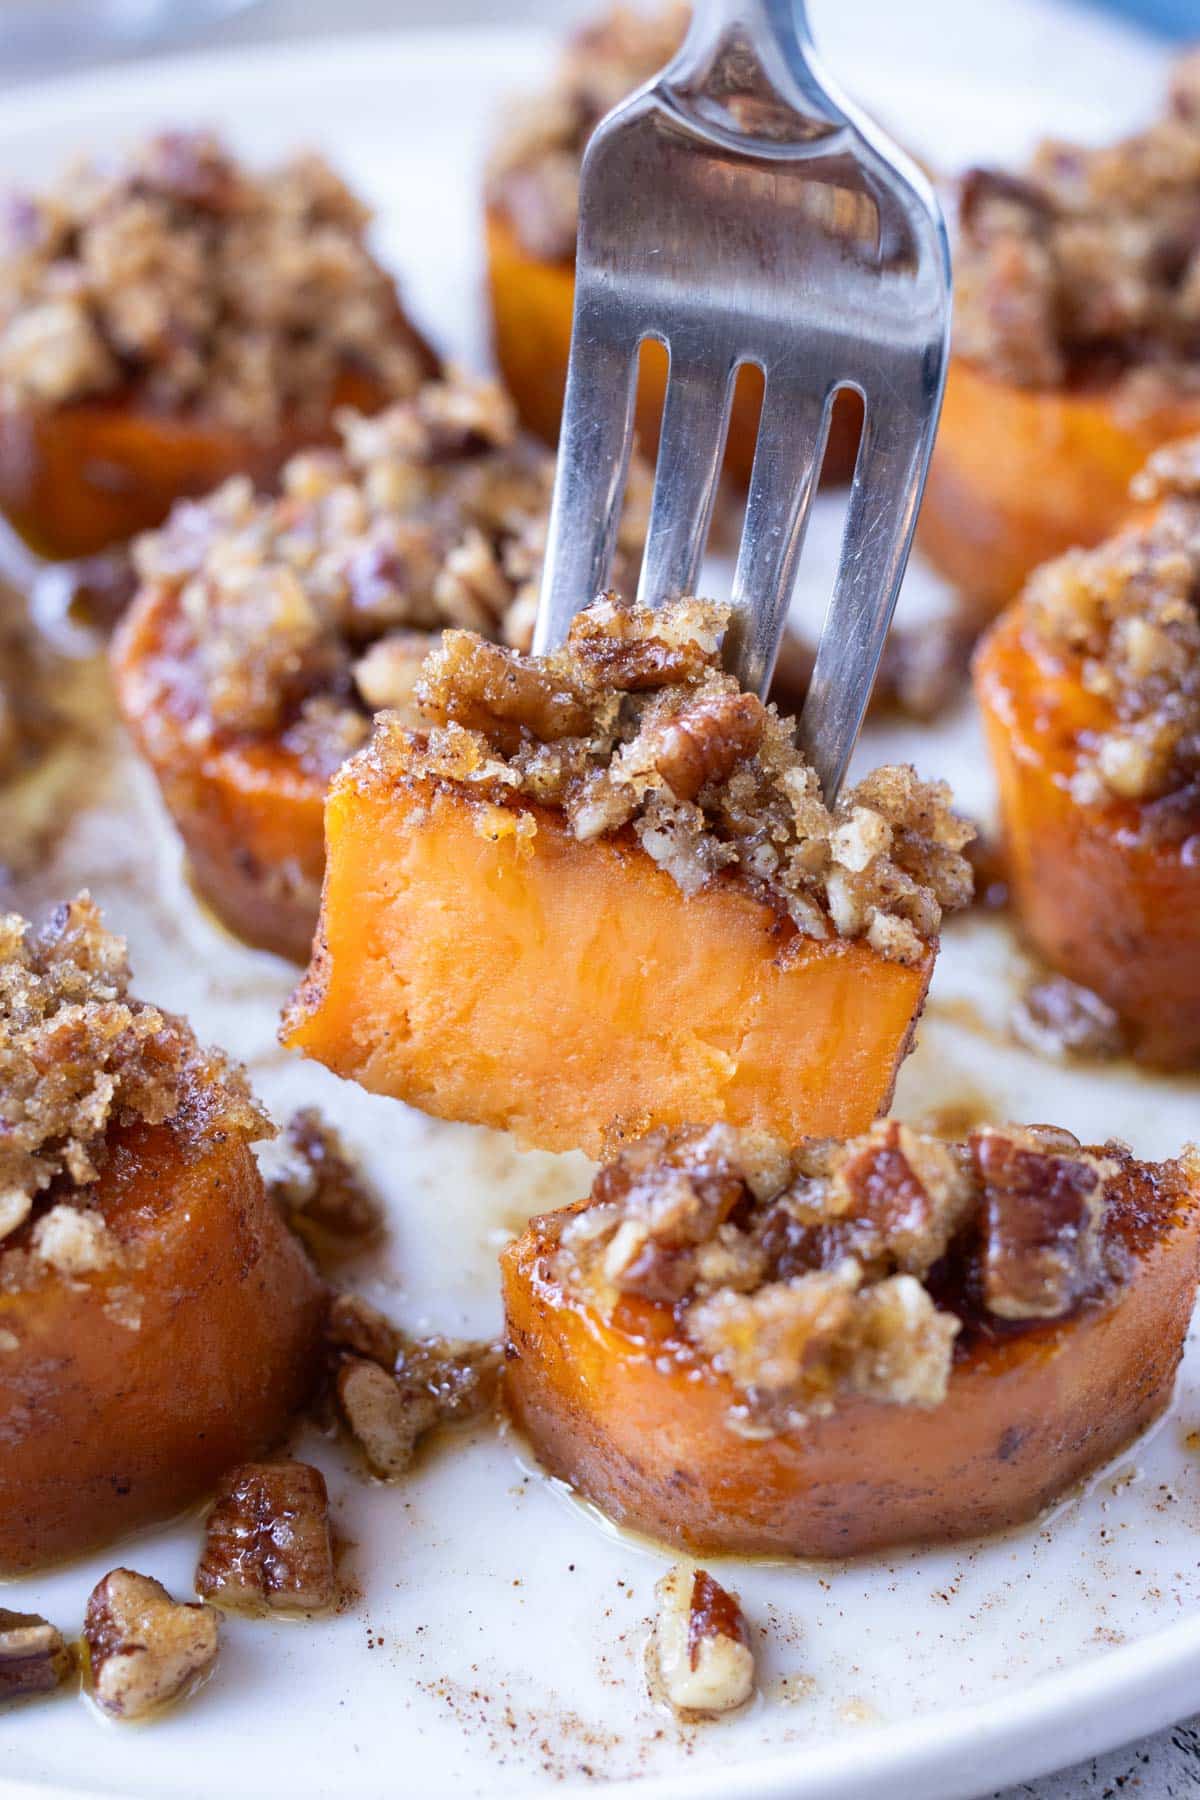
77,478
127,1390
532,303
1102,889
622,1403
1021,474
248,808
552,987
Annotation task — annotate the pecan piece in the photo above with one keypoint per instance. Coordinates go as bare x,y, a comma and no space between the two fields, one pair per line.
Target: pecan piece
701,1644
145,1649
267,1544
632,649
33,1657
1042,1213
385,1420
505,697
909,1192
390,1403
322,1193
1062,1019
706,741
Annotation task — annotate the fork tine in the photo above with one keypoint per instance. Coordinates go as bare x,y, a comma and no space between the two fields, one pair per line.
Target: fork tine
880,518
589,483
791,445
691,446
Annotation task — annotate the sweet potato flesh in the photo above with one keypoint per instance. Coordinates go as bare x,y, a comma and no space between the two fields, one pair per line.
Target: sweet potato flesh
1021,474
125,1393
532,308
249,812
554,988
77,478
1098,895
631,1417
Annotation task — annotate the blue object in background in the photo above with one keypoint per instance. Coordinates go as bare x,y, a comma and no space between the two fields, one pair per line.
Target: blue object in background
1174,18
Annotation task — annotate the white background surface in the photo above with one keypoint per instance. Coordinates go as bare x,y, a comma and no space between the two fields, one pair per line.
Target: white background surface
502,1666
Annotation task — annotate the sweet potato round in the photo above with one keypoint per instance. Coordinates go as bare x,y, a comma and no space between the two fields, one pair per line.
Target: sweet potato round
249,811
1021,474
556,989
1101,897
635,1420
125,1393
77,478
533,303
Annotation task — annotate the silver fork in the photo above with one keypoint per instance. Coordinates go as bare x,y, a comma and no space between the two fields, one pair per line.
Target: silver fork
739,210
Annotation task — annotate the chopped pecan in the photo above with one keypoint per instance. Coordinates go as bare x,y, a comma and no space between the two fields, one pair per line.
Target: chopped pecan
145,1649
631,648
1042,1213
385,1419
909,1190
355,1325
1059,1018
400,1387
673,1190
507,698
386,674
706,741
33,1656
267,1544
702,1644
319,1188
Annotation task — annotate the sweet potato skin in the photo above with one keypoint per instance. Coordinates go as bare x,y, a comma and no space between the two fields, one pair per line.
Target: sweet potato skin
78,478
1019,475
106,1424
1030,1411
555,989
249,813
1100,897
532,305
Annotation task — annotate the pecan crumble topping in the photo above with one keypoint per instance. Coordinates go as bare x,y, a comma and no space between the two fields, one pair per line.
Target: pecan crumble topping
78,1055
836,1270
1125,618
302,614
702,1654
145,1650
392,1388
267,1543
1086,264
178,273
533,175
34,1659
634,725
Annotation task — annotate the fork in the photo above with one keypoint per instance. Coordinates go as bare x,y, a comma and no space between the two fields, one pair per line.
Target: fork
737,209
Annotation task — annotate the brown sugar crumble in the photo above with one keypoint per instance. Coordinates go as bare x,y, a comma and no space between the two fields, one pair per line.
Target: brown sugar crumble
79,1055
533,175
634,726
176,273
301,615
1085,266
811,1275
1125,618
392,1389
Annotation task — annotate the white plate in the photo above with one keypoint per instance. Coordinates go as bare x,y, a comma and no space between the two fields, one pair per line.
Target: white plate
497,1645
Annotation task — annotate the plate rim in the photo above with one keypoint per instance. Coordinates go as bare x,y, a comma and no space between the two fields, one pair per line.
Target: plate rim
1049,1722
